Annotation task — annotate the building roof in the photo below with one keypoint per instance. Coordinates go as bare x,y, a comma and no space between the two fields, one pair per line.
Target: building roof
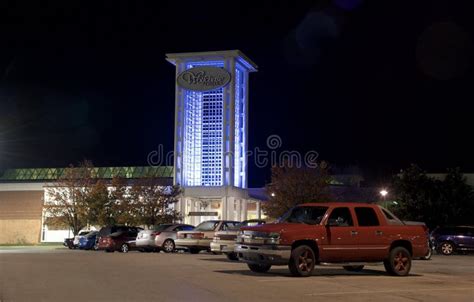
441,176
50,174
212,55
337,194
258,194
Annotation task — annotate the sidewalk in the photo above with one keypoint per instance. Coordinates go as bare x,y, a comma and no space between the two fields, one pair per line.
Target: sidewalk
31,248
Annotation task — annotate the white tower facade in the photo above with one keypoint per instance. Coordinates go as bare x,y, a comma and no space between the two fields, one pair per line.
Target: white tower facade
211,128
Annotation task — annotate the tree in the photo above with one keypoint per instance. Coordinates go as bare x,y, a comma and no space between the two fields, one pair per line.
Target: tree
69,196
417,195
291,186
153,202
433,201
122,207
99,202
457,199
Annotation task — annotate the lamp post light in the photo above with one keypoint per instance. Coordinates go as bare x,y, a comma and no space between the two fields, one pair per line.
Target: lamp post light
383,193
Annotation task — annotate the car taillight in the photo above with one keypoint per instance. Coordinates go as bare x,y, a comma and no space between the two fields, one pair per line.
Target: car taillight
181,236
198,236
155,233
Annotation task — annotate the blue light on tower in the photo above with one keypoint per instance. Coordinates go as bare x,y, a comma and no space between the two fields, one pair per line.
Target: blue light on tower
203,128
211,118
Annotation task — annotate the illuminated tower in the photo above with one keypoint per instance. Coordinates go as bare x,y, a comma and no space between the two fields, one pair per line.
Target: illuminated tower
211,132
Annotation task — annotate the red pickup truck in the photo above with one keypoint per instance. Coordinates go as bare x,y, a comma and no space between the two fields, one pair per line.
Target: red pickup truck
350,235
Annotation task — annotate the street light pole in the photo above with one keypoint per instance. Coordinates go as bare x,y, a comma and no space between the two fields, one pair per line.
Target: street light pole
383,193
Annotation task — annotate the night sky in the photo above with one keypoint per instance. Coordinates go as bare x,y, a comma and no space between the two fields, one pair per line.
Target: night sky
378,84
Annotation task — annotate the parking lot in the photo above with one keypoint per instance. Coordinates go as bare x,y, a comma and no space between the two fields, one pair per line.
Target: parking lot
58,274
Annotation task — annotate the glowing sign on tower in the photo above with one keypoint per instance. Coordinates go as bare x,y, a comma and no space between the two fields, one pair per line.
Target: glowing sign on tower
211,135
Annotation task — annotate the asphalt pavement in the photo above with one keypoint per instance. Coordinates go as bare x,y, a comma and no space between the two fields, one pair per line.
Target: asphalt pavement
59,274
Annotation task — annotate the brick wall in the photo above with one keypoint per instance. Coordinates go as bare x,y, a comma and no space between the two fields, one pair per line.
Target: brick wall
20,216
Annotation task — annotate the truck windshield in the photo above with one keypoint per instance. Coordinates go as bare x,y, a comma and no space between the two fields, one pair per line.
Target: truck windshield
307,215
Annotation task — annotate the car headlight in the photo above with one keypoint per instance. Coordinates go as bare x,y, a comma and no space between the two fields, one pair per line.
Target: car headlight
273,238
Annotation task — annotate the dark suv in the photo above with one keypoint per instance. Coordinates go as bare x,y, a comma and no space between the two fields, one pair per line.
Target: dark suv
448,240
117,238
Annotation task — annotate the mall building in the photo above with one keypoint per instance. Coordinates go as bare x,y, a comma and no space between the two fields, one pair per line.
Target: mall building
210,162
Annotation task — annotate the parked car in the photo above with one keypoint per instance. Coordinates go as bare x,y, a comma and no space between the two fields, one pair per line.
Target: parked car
117,238
88,241
161,237
200,238
80,235
224,241
448,240
68,242
346,234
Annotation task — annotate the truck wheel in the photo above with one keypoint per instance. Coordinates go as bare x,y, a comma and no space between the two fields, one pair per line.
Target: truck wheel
398,262
302,261
193,250
259,268
232,257
353,268
446,248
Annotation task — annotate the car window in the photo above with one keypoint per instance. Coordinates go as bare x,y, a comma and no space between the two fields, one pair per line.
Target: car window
161,227
465,231
105,231
229,225
252,223
118,229
181,228
187,228
132,232
91,234
446,231
207,226
184,228
304,214
366,216
340,217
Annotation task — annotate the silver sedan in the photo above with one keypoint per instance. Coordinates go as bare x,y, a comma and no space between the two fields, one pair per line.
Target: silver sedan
160,237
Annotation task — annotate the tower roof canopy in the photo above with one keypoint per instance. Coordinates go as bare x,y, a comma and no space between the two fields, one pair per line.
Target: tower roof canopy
212,55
